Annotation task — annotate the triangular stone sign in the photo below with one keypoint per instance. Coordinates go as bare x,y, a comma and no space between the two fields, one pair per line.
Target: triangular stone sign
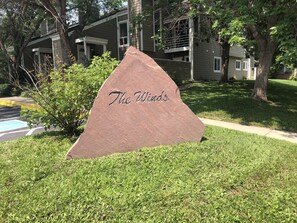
138,106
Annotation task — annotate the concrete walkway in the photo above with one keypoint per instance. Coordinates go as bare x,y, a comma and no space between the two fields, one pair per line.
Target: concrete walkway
282,135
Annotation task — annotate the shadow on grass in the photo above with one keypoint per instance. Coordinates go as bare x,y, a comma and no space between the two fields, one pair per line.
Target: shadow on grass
58,135
232,102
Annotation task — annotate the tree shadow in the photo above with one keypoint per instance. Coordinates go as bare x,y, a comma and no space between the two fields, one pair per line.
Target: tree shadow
233,101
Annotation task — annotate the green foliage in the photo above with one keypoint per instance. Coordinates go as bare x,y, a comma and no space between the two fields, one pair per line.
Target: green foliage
5,90
230,177
67,94
19,22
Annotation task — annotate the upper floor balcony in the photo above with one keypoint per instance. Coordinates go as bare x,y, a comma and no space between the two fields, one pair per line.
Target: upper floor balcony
177,43
177,36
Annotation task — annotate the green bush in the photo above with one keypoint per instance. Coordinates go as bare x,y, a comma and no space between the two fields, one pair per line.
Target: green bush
5,90
66,96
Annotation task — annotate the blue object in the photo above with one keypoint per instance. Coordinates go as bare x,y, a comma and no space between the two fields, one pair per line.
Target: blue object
12,125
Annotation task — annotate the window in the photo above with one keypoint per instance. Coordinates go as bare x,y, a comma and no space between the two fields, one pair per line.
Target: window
217,64
123,34
237,65
245,65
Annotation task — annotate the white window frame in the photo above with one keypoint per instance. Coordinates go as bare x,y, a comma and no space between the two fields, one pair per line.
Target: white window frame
237,61
245,65
214,64
119,37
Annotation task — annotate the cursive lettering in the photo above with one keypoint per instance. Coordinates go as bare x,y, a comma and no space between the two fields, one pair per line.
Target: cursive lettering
120,98
123,98
146,96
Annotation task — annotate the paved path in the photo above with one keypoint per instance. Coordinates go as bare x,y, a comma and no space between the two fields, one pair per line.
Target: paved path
288,136
17,133
10,110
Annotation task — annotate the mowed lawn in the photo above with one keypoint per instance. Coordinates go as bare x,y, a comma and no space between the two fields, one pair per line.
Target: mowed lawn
232,102
229,177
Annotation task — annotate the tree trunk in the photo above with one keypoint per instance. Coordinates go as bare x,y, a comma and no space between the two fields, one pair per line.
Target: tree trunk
225,61
267,48
265,60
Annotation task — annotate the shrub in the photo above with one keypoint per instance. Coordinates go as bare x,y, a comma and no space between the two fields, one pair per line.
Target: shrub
5,90
66,95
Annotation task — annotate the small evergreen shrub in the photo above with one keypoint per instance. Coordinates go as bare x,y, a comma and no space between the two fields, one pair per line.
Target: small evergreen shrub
66,95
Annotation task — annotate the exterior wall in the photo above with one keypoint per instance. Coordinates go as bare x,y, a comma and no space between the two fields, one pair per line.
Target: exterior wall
148,27
106,30
204,54
177,70
29,55
237,51
234,73
29,59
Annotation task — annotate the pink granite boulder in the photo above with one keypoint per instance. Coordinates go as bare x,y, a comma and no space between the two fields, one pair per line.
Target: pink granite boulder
138,106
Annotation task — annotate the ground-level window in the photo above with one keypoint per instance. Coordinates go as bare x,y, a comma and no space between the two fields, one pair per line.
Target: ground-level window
123,34
245,65
237,65
217,65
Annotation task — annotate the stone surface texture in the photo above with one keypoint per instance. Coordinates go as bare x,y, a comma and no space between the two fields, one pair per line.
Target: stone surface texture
139,105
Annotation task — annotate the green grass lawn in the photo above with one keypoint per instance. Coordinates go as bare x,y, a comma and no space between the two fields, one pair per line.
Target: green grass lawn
232,102
229,177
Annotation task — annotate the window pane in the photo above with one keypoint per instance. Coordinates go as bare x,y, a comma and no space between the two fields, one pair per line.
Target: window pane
217,64
123,30
238,65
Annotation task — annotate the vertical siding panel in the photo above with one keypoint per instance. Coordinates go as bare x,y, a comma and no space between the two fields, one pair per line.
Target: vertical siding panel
148,26
106,30
204,54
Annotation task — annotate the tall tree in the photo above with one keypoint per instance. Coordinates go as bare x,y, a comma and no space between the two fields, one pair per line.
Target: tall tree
88,11
260,22
58,11
19,22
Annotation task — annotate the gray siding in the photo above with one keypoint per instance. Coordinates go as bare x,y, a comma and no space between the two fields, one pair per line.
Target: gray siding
148,24
106,30
29,55
237,51
177,70
237,74
204,54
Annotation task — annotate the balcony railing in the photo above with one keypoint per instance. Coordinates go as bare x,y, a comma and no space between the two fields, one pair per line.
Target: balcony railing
177,43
